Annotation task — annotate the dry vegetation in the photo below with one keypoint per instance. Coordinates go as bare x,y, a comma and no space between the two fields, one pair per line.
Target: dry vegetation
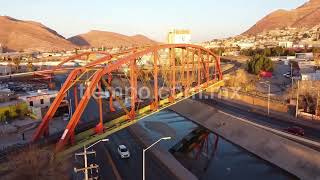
309,92
36,164
241,78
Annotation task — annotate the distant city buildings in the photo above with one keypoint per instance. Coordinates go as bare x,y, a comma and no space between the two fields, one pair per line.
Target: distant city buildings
286,44
179,36
286,38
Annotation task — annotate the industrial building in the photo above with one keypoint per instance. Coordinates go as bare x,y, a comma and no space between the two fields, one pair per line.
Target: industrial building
179,36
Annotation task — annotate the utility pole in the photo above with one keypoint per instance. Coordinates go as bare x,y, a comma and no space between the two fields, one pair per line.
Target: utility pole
269,89
85,169
291,77
70,108
269,94
297,105
318,103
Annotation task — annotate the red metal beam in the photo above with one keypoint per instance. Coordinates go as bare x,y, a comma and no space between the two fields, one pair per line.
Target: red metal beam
131,59
44,125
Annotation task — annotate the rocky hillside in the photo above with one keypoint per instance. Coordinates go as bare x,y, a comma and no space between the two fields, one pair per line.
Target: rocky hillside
307,15
109,39
18,35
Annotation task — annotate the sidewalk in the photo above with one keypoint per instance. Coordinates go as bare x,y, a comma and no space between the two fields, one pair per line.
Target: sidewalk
264,111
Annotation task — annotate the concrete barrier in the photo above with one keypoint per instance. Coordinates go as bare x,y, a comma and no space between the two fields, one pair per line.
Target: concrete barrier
295,158
162,155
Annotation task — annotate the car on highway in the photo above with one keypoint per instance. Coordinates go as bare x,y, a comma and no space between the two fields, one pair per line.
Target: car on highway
123,151
298,131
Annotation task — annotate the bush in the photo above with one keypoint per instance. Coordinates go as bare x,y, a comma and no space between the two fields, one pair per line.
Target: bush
259,63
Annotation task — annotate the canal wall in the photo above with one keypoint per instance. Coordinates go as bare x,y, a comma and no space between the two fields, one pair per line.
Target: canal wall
163,156
295,158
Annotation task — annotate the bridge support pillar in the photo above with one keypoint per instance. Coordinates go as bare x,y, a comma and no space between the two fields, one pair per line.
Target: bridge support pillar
173,75
207,64
72,138
99,127
75,93
199,68
186,70
133,84
46,132
111,94
155,104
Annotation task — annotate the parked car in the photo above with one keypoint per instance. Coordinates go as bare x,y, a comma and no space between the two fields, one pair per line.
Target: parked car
287,75
65,117
298,131
123,151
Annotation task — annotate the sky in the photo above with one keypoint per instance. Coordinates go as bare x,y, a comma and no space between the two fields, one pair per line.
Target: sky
207,19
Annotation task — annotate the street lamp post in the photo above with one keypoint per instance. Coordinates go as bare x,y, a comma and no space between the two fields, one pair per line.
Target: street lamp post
144,155
269,89
102,140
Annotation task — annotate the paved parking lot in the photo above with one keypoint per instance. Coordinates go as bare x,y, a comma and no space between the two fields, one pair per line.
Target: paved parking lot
279,83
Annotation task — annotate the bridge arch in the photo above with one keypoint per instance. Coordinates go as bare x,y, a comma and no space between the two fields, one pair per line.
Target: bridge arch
197,66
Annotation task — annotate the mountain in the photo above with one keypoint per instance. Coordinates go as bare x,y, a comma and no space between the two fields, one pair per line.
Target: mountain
305,16
109,39
19,35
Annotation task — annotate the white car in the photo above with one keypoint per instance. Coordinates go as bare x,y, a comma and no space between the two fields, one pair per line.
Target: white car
65,117
123,151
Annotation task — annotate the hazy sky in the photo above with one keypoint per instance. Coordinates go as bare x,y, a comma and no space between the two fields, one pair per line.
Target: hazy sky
207,19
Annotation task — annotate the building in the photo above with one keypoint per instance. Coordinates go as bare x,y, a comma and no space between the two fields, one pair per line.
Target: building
286,44
5,70
179,36
37,101
304,56
245,45
310,76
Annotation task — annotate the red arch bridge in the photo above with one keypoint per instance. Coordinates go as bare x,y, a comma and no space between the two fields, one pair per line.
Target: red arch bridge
141,80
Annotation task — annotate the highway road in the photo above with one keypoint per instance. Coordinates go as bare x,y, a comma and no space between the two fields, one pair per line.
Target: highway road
236,110
130,169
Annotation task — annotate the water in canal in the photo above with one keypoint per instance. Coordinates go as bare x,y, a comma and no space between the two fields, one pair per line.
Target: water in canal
207,155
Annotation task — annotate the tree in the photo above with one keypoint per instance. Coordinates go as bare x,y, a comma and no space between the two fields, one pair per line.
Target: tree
267,52
16,62
30,66
19,112
308,93
7,115
259,63
305,35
